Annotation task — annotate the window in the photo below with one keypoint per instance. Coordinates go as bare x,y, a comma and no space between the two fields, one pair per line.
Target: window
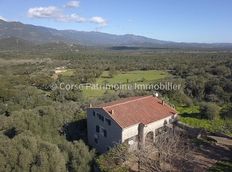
102,129
100,117
93,113
96,140
97,128
108,121
104,132
108,148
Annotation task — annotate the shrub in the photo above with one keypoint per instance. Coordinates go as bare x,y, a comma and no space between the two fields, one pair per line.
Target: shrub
226,112
114,159
209,111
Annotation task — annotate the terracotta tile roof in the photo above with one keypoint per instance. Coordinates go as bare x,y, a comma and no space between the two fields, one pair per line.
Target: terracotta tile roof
134,110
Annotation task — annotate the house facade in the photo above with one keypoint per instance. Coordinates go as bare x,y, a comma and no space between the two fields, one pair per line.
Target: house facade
131,120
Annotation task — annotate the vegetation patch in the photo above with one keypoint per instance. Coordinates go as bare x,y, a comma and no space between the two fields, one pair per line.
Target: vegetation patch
132,76
40,128
193,117
122,78
222,166
68,72
92,93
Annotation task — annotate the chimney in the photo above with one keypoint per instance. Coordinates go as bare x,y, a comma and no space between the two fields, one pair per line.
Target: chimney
90,105
111,111
162,102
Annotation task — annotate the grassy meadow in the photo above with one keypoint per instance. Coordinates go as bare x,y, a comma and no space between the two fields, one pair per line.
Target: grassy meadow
124,78
132,77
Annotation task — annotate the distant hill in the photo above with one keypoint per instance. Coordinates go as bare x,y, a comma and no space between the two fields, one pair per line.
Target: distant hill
18,44
40,35
13,43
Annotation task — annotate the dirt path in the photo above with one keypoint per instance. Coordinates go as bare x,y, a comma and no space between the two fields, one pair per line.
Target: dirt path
207,154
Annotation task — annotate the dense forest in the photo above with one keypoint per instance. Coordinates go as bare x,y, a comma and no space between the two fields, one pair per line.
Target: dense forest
44,129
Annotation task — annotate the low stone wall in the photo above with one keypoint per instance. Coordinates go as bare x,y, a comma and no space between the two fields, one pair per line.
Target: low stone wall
193,132
198,132
220,135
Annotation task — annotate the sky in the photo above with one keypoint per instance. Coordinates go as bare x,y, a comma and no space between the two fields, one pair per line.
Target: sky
208,21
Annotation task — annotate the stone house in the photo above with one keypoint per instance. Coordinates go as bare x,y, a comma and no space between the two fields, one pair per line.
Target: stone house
133,120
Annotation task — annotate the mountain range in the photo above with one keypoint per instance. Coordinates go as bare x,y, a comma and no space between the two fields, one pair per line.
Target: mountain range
30,34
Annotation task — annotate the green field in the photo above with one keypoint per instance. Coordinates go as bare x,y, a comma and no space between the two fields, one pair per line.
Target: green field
120,78
132,77
123,78
68,72
191,116
90,93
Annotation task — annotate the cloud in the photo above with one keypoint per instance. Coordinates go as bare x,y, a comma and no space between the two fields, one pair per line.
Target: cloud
98,20
73,4
44,12
54,13
3,18
57,14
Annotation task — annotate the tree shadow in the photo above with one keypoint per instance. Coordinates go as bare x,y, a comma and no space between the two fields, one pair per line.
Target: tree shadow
11,133
214,151
75,130
192,115
106,77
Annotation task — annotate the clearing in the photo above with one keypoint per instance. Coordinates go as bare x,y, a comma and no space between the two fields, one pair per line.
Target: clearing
132,77
124,78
